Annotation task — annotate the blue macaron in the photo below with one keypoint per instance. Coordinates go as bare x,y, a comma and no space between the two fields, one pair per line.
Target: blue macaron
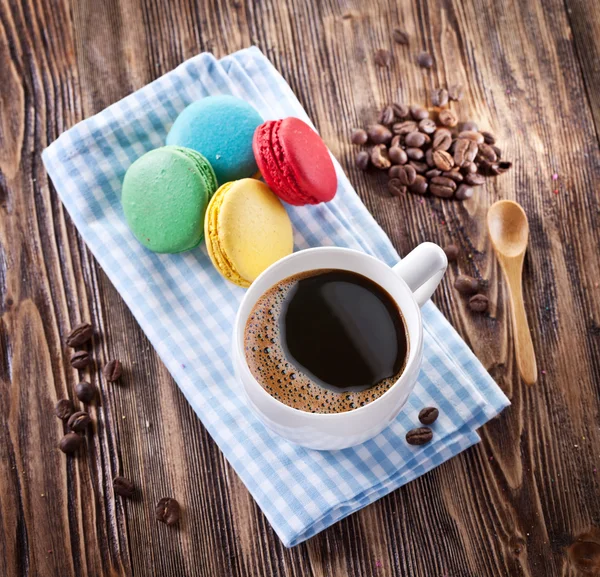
221,129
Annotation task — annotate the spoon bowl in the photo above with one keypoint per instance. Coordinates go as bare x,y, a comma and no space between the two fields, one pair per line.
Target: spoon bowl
509,233
508,226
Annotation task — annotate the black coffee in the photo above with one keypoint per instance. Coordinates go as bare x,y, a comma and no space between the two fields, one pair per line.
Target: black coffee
326,341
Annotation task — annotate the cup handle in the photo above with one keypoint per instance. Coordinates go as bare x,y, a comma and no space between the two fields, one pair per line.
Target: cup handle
422,270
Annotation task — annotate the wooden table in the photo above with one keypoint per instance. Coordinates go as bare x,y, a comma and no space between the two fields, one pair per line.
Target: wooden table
526,501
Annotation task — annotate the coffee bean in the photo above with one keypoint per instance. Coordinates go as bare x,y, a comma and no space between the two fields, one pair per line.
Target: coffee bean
463,192
419,113
359,136
451,251
443,181
415,139
474,179
442,139
396,141
407,174
383,58
497,151
471,135
419,436
399,36
471,152
80,335
86,392
440,191
466,285
80,359
415,153
79,421
469,126
468,168
379,134
487,168
488,137
394,171
395,187
448,118
70,443
419,186
380,158
454,175
494,168
443,160
420,167
429,158
63,409
428,415
386,116
424,60
433,172
167,511
465,151
404,127
478,303
439,97
112,371
427,126
486,152
401,111
362,160
456,92
503,166
397,155
123,487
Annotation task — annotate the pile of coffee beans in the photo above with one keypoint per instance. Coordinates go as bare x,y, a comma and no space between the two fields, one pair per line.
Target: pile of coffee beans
429,150
78,422
422,435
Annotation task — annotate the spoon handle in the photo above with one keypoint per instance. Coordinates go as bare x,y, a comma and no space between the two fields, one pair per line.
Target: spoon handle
523,343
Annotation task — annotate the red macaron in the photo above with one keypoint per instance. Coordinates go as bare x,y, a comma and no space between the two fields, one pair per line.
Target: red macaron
294,161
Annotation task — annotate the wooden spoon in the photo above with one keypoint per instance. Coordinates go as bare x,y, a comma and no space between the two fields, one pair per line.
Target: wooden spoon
509,231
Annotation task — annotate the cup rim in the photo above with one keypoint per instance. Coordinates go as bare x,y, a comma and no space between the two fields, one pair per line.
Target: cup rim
241,364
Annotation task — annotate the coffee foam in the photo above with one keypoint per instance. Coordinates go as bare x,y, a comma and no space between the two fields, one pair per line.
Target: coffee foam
278,376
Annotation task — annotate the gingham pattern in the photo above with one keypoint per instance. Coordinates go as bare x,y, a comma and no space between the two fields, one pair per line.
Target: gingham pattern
187,309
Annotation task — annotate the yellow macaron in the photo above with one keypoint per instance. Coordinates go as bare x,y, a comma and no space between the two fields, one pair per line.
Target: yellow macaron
246,229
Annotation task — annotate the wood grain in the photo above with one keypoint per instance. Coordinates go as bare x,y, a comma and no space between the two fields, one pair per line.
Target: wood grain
524,502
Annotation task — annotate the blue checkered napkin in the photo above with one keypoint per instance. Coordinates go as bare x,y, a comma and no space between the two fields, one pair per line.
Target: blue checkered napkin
187,309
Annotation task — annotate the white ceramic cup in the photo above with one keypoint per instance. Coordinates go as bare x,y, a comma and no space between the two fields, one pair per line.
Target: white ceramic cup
410,283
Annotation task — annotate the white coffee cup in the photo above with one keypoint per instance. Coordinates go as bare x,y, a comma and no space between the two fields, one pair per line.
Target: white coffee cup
410,283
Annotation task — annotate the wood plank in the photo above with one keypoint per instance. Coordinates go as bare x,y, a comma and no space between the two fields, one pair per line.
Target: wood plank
51,507
584,21
514,504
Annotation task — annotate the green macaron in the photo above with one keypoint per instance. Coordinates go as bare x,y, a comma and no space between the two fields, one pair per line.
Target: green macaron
165,195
